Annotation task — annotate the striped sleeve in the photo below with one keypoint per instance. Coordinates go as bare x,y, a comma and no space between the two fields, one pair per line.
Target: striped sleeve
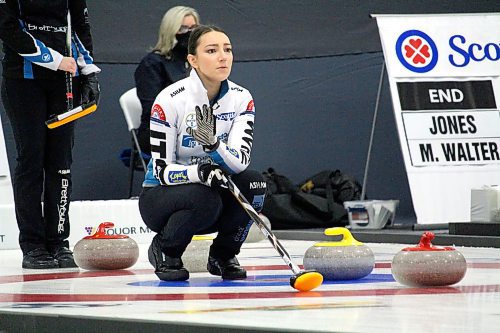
14,34
163,139
234,156
82,37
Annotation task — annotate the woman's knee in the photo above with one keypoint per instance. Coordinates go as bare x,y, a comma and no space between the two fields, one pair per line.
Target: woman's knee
252,185
206,201
201,203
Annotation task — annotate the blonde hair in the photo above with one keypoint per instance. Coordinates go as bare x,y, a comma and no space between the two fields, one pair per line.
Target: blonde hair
169,26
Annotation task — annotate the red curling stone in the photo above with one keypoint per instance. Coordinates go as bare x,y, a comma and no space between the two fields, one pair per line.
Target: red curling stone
427,265
101,251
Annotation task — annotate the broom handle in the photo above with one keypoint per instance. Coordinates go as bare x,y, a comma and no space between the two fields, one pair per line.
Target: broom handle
68,76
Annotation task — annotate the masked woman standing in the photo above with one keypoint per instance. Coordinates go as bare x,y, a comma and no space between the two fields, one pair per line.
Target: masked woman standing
165,64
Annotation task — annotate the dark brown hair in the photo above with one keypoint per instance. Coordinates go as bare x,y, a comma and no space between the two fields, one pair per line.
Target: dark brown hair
196,35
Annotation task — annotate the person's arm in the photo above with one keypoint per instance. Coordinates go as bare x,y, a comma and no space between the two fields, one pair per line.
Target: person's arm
163,131
19,40
82,37
150,80
234,156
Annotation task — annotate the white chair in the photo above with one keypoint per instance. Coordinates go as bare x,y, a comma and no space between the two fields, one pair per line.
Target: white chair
132,109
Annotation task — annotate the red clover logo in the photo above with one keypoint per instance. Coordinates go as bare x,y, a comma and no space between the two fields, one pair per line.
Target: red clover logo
416,51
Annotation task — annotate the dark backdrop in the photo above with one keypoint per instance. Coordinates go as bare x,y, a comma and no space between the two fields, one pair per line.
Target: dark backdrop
263,29
313,68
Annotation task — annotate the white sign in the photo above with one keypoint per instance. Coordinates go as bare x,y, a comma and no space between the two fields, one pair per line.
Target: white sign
85,218
444,74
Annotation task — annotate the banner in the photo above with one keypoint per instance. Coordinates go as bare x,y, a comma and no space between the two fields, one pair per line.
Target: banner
85,217
444,78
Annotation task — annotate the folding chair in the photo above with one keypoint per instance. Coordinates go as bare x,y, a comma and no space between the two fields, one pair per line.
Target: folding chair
132,109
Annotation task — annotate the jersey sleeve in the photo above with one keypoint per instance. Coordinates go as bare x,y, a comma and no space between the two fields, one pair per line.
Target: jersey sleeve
13,34
82,37
234,156
163,139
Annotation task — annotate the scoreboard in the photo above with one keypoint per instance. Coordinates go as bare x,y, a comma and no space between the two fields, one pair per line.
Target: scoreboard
444,76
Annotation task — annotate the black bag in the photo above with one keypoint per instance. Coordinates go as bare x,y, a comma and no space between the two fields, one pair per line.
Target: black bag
343,187
278,184
287,207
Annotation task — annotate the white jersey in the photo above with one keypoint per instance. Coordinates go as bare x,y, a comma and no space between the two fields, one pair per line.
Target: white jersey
176,154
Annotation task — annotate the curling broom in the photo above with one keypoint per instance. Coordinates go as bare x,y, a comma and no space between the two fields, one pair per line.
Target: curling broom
72,113
301,280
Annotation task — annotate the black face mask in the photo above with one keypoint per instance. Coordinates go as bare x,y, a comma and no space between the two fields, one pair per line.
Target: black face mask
182,43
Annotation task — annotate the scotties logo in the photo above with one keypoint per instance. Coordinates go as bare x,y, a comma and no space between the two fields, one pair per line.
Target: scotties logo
417,51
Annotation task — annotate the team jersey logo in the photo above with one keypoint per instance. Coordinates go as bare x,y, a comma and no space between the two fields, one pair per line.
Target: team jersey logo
258,202
200,160
228,116
233,152
157,112
178,176
191,120
46,57
250,106
188,141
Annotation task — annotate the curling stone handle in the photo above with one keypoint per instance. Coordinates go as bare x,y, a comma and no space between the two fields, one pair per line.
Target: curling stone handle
347,238
101,229
425,240
426,245
102,233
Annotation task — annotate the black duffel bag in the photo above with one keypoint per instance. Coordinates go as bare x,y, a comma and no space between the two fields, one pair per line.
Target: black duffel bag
289,207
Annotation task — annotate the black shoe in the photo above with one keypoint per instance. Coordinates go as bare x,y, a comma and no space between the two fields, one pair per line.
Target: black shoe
39,259
229,269
65,257
166,268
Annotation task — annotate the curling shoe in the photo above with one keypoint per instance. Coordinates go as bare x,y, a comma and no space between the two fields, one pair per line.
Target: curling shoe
166,268
65,257
229,269
39,259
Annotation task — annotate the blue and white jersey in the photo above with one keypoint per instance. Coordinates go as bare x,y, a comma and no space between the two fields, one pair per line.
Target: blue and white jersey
34,38
176,154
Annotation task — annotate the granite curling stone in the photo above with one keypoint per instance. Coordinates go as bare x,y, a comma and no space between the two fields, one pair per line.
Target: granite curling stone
427,265
101,251
254,233
346,259
195,257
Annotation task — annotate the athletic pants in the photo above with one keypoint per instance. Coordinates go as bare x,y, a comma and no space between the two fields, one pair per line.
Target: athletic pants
42,172
179,212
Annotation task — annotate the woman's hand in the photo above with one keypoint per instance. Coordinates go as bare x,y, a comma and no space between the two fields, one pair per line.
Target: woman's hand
68,64
205,127
212,175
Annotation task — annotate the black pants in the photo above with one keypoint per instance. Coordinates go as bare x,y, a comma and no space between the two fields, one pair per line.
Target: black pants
44,159
182,211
